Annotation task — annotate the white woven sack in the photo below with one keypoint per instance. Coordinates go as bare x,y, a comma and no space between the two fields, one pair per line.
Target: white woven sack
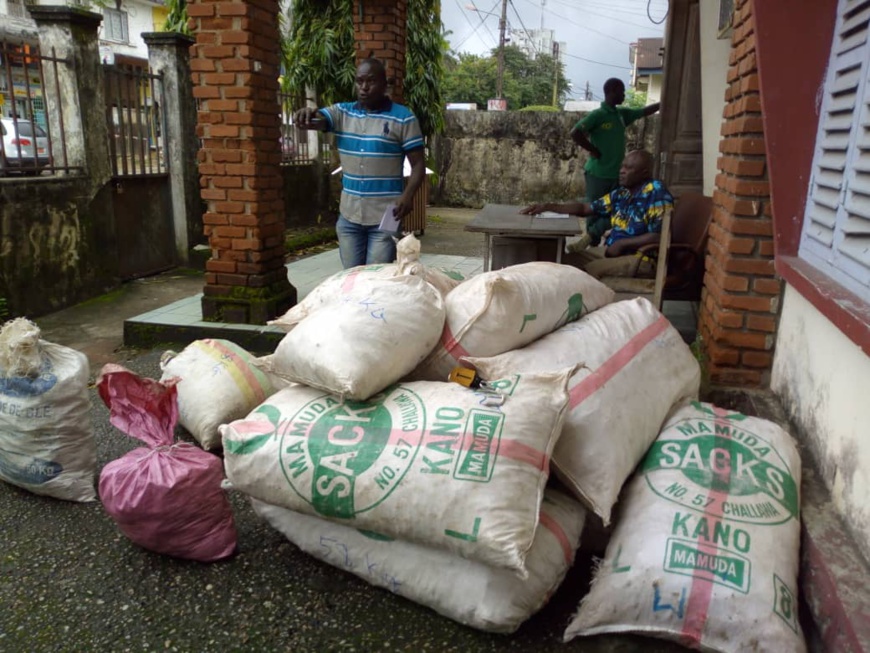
706,548
334,288
635,367
219,382
426,462
471,593
47,441
357,347
505,309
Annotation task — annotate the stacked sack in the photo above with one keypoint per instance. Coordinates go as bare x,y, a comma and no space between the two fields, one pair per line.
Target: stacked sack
438,492
372,450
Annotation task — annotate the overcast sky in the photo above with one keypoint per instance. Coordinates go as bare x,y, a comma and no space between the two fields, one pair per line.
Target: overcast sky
596,32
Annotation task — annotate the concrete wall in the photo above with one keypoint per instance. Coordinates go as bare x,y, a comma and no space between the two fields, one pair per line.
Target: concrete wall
57,243
515,157
714,71
822,378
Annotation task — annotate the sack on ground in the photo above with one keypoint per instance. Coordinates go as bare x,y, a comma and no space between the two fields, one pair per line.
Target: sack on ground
706,548
426,462
333,289
47,441
167,497
357,347
505,309
218,382
635,367
471,593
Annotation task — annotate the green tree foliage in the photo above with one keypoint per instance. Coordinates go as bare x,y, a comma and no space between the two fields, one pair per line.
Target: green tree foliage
526,81
176,20
424,64
319,53
634,99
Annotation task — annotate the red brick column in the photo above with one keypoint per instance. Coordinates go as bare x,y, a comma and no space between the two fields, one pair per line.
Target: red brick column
380,27
234,65
740,301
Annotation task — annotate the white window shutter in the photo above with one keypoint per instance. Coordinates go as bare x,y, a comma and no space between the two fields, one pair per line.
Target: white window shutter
836,234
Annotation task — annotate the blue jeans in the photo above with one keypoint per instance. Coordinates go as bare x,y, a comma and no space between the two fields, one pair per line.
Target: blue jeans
363,245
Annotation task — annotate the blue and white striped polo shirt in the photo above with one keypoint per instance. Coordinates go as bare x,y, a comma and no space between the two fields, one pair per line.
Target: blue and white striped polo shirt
372,147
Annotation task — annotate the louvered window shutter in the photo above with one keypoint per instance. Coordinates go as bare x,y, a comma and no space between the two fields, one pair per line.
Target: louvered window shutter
836,234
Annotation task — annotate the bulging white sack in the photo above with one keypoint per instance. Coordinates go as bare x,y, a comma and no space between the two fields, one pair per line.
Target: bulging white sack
47,441
426,462
505,309
634,368
334,288
706,548
471,593
218,383
357,347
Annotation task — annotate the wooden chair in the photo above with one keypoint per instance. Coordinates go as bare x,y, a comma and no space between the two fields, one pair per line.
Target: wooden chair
679,255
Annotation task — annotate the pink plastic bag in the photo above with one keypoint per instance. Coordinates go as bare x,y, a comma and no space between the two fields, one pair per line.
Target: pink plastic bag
166,498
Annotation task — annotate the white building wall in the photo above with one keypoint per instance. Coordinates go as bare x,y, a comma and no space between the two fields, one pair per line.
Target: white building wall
139,19
714,73
822,378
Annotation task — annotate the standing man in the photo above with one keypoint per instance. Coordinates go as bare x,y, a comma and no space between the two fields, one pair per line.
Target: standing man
602,134
374,135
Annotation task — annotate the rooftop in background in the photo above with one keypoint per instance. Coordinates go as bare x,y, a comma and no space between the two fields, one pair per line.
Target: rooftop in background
649,53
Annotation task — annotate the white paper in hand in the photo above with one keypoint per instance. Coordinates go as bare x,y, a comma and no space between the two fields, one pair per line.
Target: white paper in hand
389,222
551,214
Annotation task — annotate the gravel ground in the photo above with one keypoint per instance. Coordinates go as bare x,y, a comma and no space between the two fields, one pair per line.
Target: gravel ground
69,581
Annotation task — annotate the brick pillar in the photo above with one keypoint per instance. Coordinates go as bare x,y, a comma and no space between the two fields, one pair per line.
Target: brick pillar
740,301
234,66
380,27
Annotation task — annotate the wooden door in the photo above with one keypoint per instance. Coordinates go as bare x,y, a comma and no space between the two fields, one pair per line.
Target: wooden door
681,161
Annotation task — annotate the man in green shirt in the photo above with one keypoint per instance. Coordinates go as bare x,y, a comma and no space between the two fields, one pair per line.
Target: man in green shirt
602,134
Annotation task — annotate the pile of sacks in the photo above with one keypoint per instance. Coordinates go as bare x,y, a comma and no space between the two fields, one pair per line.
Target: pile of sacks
351,441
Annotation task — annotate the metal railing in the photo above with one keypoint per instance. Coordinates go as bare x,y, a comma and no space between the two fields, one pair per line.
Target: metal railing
295,149
33,140
136,122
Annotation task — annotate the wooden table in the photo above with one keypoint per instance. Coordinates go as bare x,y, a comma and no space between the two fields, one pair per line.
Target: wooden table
506,222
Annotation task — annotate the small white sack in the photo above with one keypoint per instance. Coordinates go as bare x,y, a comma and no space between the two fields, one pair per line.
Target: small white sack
635,367
357,347
471,593
505,309
707,545
47,441
333,289
426,462
219,382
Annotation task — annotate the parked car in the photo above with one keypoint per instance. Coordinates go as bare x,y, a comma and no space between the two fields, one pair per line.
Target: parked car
23,148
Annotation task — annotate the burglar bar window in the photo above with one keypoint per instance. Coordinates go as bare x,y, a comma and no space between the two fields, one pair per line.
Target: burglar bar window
115,25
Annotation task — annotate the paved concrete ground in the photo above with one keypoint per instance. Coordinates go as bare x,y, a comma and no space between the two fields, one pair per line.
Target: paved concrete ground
70,582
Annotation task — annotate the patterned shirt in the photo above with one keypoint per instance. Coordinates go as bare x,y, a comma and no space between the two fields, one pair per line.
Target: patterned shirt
634,215
372,147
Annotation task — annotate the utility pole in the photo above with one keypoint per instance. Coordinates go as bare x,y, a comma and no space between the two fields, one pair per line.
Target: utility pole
588,94
502,24
555,72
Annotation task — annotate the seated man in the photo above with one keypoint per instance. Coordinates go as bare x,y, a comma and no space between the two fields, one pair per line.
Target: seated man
635,209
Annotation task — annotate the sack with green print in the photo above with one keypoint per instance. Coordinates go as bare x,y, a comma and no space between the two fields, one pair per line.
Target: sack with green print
471,593
428,462
506,309
218,382
340,284
706,548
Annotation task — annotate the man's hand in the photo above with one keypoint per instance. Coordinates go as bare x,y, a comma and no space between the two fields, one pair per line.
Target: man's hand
534,209
309,118
403,207
595,153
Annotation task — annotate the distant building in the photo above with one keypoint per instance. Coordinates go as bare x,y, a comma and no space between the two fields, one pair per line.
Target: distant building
537,41
461,106
646,60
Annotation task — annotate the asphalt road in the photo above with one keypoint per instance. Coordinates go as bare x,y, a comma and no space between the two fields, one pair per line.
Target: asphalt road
69,581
